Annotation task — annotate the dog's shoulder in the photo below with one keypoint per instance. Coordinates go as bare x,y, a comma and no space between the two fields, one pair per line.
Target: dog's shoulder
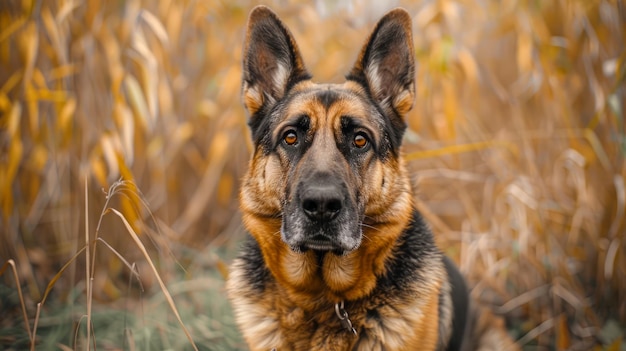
250,268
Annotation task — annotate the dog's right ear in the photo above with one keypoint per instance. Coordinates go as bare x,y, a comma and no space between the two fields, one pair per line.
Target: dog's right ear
271,61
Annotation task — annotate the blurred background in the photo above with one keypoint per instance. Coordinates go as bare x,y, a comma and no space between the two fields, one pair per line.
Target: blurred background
121,125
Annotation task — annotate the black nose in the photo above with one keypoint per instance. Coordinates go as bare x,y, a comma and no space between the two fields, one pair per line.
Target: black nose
322,202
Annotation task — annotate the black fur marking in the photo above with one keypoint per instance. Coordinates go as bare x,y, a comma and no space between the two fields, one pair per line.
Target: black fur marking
260,128
263,121
256,272
460,303
373,315
301,125
349,127
415,251
395,132
327,97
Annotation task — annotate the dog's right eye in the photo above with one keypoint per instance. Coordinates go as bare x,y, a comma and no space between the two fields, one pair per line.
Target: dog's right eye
360,140
290,137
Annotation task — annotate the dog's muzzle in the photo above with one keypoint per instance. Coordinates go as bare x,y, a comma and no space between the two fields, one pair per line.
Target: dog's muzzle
322,216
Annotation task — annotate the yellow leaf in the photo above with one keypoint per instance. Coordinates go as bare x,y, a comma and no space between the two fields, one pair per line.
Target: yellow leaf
98,169
469,65
524,52
32,104
208,108
5,103
13,80
218,147
230,84
50,95
148,67
156,26
124,121
562,334
138,102
450,109
6,196
29,42
222,268
13,120
63,71
53,33
129,208
225,189
183,133
8,171
66,117
596,145
38,157
174,21
155,147
38,79
615,345
16,150
109,151
65,10
113,54
11,28
165,97
109,289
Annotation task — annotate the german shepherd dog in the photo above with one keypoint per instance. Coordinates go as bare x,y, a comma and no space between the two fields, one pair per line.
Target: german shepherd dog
338,257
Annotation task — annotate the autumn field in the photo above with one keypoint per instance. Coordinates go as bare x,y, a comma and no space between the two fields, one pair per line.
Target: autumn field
123,141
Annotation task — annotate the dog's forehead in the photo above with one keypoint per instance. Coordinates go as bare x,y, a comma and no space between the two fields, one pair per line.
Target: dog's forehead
329,102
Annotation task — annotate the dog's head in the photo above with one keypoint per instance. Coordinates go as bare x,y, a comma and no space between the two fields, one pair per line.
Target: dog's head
326,175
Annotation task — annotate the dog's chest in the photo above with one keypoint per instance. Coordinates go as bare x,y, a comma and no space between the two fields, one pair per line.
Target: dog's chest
376,328
319,329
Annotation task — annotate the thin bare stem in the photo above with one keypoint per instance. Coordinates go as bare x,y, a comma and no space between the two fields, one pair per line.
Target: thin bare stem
11,263
164,289
88,276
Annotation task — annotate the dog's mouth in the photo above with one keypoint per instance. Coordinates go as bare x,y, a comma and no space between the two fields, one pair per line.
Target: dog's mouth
321,244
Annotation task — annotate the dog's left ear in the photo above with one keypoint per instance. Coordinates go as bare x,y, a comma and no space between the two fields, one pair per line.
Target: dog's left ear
386,65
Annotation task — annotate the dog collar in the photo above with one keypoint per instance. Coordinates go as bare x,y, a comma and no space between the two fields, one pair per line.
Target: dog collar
342,314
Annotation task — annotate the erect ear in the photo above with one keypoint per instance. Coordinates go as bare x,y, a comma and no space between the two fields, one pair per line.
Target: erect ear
386,64
271,60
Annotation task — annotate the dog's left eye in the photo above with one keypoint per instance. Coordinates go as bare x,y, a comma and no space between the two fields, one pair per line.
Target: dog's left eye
360,140
290,137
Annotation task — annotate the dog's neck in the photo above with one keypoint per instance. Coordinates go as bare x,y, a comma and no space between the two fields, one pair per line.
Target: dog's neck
326,279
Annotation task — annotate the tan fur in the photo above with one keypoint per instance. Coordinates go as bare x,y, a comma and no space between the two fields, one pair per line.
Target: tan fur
272,321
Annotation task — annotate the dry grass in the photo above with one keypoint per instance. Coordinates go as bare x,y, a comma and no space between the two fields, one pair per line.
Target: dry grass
517,146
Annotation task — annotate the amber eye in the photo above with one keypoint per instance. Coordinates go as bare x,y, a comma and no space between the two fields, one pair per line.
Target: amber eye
360,140
290,138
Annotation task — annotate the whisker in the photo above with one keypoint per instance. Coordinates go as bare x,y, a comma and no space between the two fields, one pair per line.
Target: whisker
371,227
366,237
